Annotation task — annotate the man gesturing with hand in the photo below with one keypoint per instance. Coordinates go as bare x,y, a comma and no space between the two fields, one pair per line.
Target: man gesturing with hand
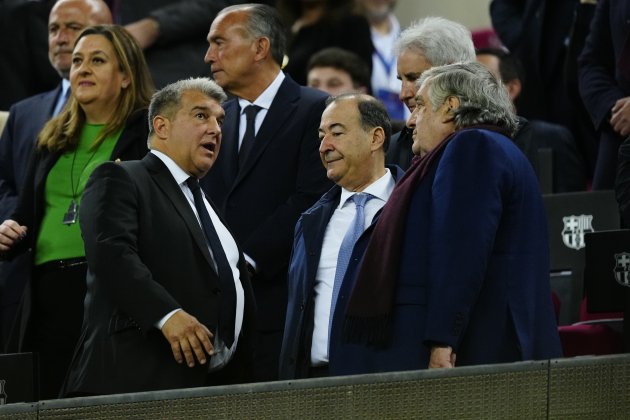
162,264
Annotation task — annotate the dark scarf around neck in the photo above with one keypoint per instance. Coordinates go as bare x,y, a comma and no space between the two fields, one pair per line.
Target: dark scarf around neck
369,310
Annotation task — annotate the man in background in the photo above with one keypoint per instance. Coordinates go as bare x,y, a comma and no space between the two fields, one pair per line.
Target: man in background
335,71
568,169
432,41
269,171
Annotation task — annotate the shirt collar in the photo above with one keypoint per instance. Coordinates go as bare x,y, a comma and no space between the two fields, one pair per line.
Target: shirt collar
265,99
381,189
178,173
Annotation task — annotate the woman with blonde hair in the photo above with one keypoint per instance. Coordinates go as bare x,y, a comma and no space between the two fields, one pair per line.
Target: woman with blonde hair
105,119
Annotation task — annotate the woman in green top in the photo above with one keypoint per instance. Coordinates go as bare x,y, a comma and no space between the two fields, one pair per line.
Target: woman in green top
105,119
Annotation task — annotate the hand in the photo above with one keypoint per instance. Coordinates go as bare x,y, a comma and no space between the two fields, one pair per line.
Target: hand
442,357
10,233
620,116
186,336
145,31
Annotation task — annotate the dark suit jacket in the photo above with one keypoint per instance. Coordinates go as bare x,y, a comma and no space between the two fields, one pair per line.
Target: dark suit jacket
32,205
307,248
399,151
24,69
535,31
181,45
282,177
26,119
147,256
569,171
604,78
474,268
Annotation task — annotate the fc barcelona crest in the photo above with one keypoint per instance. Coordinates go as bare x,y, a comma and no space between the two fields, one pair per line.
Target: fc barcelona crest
622,268
574,229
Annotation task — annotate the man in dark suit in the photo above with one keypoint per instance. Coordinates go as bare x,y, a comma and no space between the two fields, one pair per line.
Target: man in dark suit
604,81
168,302
453,274
354,132
433,41
568,170
26,118
269,171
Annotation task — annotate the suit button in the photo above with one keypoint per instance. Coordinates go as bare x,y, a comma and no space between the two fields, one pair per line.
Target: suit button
301,307
216,291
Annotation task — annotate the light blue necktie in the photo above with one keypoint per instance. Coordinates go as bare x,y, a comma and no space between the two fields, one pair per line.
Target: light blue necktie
347,245
61,102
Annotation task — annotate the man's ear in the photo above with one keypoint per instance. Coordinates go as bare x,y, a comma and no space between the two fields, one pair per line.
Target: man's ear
451,103
514,88
263,48
161,126
378,138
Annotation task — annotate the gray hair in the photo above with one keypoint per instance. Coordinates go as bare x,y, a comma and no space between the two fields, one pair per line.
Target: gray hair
264,22
440,41
167,100
372,113
483,99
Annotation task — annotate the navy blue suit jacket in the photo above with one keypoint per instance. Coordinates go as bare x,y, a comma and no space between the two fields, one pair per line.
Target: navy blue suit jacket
26,119
307,248
282,177
474,269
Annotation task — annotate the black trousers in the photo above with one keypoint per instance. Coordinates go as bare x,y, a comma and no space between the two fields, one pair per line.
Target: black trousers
56,319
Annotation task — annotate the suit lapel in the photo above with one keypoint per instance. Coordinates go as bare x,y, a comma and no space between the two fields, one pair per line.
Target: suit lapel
227,162
281,109
129,134
314,224
167,184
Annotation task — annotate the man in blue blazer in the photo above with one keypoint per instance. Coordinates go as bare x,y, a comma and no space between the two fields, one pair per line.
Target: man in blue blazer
27,117
456,271
269,170
355,131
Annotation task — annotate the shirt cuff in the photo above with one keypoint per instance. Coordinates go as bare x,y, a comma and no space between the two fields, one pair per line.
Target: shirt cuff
168,316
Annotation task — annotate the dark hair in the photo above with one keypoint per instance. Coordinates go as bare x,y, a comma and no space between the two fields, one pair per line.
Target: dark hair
343,60
372,113
510,68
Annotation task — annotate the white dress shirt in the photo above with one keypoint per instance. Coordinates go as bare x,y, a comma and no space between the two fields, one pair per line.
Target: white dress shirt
264,101
337,227
221,354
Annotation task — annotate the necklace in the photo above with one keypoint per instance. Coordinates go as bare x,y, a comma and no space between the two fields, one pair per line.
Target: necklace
71,216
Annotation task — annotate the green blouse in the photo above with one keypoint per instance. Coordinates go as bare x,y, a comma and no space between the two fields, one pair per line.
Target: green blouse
64,185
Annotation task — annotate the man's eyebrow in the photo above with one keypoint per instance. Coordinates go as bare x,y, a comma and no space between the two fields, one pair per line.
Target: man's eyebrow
331,126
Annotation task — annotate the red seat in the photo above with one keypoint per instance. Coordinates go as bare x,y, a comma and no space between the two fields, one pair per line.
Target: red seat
596,334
